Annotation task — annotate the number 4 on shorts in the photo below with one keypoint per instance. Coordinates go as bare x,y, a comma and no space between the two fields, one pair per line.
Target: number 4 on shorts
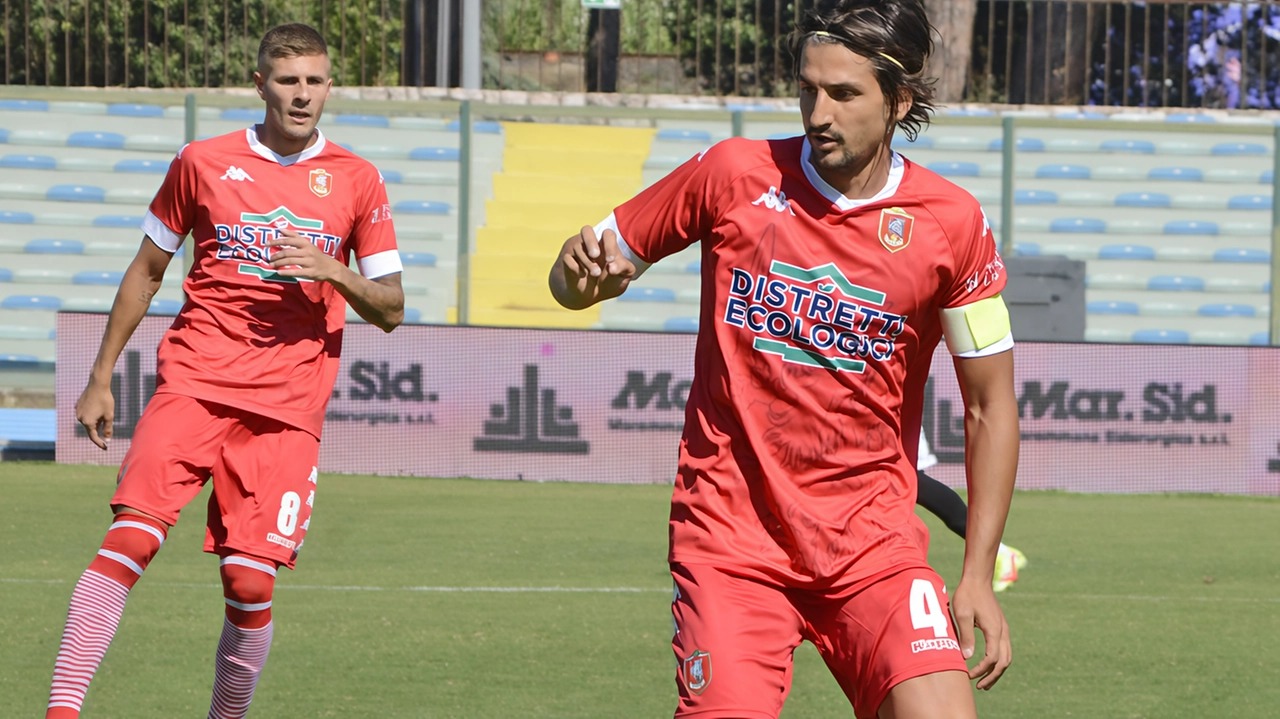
926,610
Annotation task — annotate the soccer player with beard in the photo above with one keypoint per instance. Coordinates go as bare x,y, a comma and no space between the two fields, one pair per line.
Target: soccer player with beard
831,268
244,373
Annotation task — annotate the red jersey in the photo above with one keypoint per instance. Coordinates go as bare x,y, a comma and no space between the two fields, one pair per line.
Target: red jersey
248,337
819,318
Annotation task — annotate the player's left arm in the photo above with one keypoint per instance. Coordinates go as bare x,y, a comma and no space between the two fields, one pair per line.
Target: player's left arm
379,301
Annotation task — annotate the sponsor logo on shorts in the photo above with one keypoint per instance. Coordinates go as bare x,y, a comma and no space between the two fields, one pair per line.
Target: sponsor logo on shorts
312,478
925,645
277,539
697,671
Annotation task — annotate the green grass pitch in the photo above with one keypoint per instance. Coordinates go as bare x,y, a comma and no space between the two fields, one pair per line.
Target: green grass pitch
1132,606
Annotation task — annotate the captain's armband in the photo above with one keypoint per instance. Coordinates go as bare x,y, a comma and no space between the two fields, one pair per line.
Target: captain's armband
977,329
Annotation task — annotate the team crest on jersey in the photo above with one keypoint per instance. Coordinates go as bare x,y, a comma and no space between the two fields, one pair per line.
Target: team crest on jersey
321,183
697,671
895,228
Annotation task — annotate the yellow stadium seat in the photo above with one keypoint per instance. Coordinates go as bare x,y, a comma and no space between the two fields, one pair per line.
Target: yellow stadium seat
522,240
588,189
584,137
566,218
558,319
511,266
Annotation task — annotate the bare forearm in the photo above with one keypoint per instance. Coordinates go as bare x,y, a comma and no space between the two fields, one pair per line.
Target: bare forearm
133,299
377,303
991,463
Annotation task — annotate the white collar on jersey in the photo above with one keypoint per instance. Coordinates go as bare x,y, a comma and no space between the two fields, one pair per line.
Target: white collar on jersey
256,145
845,204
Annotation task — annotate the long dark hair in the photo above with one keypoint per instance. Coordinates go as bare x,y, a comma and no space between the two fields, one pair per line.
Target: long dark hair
893,34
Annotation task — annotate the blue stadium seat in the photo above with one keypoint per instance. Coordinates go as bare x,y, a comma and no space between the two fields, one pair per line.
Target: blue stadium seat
1162,337
482,127
149,166
164,307
125,109
1145,147
54,247
1260,338
1142,199
1242,255
29,162
1022,144
96,277
648,294
1239,148
1265,177
1077,224
6,275
76,193
1026,249
1175,283
684,135
693,268
19,361
30,302
243,114
1035,197
130,221
16,218
1249,202
392,177
955,169
363,120
100,140
4,135
1063,172
970,112
25,105
1190,227
900,143
1107,307
687,325
1178,174
1192,117
422,207
1227,310
1126,252
446,154
412,316
418,259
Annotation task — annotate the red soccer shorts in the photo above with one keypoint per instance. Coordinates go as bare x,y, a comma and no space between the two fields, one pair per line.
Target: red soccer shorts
735,637
264,474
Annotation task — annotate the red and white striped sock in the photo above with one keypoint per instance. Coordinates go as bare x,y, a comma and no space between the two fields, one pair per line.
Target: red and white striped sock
246,634
96,607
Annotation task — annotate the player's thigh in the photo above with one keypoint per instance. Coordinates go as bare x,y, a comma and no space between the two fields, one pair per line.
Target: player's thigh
264,486
888,632
940,695
173,449
733,644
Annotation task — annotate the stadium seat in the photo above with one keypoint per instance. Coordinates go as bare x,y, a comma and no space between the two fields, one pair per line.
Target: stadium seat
130,221
1177,174
648,294
31,302
146,166
1071,145
125,109
899,142
42,276
362,120
681,324
412,316
1179,147
1077,224
969,112
1190,227
1242,255
446,154
1142,199
242,114
76,193
1022,144
1106,334
18,361
1126,252
1145,147
1167,337
164,307
1078,115
391,177
29,162
1063,172
1198,202
693,268
482,127
1260,338
1218,337
1266,176
1109,307
13,217
1167,309
95,277
1236,284
1026,249
1238,148
955,169
6,275
54,247
1221,309
1035,197
418,259
1232,174
1183,253
101,140
1249,202
1175,283
153,143
1189,117
1074,251
25,105
422,207
4,136
670,134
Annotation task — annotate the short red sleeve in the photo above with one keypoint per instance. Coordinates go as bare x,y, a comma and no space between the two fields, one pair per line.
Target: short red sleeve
675,212
175,203
374,234
978,270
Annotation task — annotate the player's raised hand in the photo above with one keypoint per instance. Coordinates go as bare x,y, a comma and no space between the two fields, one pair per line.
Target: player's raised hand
975,605
293,255
593,268
96,410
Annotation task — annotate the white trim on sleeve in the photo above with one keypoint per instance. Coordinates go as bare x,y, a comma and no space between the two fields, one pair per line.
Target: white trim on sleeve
1003,345
380,264
163,237
611,223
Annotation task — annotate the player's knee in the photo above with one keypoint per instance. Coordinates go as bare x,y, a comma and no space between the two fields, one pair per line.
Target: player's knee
247,584
131,543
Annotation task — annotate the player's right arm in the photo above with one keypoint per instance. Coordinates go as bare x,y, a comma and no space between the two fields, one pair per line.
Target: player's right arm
141,281
591,269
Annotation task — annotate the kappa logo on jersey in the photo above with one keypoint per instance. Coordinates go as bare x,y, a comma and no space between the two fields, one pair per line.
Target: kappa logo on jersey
697,671
235,173
813,316
246,242
775,200
895,228
321,183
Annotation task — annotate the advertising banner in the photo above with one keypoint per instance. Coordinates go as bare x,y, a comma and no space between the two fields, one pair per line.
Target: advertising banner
579,406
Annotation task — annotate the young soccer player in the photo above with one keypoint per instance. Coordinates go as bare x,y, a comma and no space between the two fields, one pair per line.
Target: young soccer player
831,268
245,372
